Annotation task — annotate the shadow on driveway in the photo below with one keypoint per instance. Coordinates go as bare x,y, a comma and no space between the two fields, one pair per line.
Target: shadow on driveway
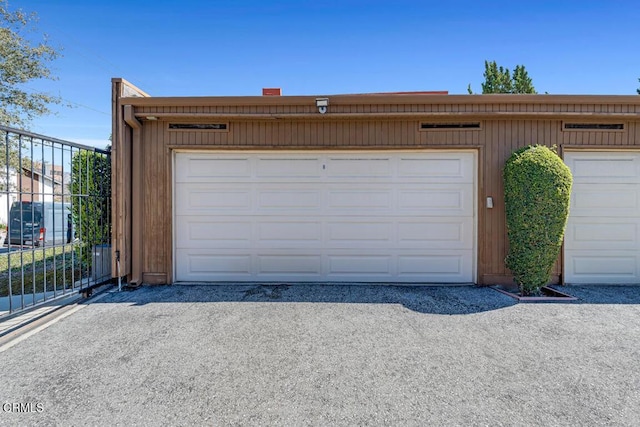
446,300
423,299
604,294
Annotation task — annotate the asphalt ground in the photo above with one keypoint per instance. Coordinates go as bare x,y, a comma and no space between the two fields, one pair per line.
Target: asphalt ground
329,355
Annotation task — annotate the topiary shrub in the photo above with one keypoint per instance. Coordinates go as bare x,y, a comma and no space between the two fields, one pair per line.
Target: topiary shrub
537,188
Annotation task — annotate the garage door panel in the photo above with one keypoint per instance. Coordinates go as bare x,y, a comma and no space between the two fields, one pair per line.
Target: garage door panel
201,266
604,267
289,167
602,233
359,167
367,199
331,265
354,265
442,265
289,198
445,233
293,234
333,232
438,167
439,200
603,167
335,217
602,240
356,233
206,199
406,199
207,168
286,265
203,198
605,200
198,232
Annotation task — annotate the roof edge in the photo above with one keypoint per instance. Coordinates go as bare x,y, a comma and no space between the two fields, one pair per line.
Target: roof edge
394,99
130,86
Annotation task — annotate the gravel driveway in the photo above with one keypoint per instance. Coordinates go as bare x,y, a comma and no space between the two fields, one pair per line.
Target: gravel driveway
330,355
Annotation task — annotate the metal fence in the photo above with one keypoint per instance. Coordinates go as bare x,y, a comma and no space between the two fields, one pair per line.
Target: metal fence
55,219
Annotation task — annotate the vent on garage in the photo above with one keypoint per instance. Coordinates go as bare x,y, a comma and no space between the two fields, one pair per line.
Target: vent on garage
593,126
450,126
220,127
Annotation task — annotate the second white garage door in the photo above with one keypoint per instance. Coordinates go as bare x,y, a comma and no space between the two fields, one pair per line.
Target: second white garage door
294,216
602,241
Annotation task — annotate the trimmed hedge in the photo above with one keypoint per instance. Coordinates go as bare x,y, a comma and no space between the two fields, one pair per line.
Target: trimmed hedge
537,188
90,207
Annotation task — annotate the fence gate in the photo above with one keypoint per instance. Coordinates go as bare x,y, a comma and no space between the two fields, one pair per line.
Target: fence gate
55,218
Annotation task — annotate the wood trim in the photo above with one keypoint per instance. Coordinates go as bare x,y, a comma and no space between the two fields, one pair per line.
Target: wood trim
388,99
169,224
116,183
480,215
506,279
137,211
130,119
122,82
121,188
262,148
599,147
155,278
561,151
137,190
448,116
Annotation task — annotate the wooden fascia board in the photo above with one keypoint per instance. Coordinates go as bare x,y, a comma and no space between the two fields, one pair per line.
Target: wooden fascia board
438,116
382,100
133,87
130,118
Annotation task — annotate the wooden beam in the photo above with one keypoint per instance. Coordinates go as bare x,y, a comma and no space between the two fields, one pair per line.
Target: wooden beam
441,116
385,99
130,118
137,165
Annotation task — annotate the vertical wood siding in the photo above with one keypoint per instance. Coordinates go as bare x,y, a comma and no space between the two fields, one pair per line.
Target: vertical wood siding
495,141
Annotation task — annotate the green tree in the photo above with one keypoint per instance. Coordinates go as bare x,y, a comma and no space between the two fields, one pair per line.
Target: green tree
23,61
498,79
638,90
522,83
91,198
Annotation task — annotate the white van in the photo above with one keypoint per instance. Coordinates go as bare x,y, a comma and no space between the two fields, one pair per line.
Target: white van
39,223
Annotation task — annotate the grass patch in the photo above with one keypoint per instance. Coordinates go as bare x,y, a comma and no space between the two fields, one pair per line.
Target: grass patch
44,270
28,256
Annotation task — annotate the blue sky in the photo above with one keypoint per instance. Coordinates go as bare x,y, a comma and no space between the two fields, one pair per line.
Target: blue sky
210,48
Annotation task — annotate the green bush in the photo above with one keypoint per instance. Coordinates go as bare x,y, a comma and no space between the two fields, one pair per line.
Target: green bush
537,188
90,207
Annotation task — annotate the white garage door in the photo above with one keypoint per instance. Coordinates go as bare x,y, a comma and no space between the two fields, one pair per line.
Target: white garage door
365,217
602,242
